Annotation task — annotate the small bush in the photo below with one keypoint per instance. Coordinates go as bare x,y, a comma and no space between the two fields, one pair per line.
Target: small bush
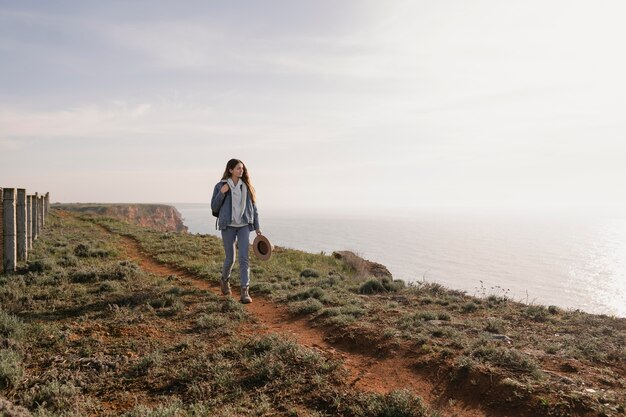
495,325
353,310
308,306
309,273
443,316
40,265
261,288
399,403
146,363
68,260
81,250
11,368
83,275
553,310
314,292
173,409
469,307
162,301
211,322
341,320
123,271
393,284
84,251
109,286
426,315
55,396
536,313
330,312
504,357
233,308
372,286
10,326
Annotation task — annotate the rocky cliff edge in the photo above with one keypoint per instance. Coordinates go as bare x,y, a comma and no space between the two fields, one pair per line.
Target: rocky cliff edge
159,217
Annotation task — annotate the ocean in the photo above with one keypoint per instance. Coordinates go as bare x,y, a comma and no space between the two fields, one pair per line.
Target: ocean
573,263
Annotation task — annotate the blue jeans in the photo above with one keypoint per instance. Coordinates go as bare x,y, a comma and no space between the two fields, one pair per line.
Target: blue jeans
229,236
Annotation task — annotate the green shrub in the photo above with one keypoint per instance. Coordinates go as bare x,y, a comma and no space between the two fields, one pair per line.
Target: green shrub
469,307
40,265
10,326
152,360
330,312
309,273
495,325
174,409
68,261
11,368
83,275
122,271
109,286
536,313
443,316
233,308
374,286
308,306
398,403
55,396
341,320
426,315
81,250
261,288
393,284
314,292
553,310
211,322
504,357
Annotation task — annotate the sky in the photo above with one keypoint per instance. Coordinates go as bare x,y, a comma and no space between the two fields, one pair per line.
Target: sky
348,105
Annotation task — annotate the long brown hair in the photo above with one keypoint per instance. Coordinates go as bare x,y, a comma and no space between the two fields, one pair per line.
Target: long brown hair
245,177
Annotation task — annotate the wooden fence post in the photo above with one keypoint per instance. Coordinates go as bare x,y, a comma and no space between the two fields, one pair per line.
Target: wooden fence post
1,231
35,217
43,212
47,203
29,222
9,263
40,214
20,219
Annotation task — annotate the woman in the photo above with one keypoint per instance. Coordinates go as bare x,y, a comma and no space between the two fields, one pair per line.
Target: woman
235,200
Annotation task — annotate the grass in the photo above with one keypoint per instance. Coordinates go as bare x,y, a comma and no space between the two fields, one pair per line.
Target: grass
79,300
87,332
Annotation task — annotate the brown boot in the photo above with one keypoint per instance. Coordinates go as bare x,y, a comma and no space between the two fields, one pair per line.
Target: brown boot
225,286
245,297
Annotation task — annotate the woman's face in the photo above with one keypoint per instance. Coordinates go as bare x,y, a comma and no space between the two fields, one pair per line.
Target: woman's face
237,172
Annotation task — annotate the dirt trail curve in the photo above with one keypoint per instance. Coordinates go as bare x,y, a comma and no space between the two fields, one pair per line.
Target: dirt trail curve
367,372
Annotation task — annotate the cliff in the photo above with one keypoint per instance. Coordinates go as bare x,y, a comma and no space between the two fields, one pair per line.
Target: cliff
159,217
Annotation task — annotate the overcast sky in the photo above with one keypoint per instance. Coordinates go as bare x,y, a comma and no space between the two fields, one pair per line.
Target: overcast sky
350,104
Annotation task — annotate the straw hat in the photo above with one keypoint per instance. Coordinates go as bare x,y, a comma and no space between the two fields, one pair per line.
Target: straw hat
262,247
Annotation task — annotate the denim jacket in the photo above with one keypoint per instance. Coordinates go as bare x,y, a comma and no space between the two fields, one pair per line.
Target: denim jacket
250,214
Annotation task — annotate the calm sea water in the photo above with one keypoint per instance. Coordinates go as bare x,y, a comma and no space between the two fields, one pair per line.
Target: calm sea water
572,263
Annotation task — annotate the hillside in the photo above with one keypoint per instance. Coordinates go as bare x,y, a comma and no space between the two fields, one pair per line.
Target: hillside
110,318
159,217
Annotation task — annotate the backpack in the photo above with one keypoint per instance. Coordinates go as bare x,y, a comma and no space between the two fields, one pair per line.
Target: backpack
217,213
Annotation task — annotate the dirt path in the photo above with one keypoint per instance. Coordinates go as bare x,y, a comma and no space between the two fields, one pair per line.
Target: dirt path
367,371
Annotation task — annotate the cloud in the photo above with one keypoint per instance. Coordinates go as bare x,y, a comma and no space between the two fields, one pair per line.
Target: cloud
9,144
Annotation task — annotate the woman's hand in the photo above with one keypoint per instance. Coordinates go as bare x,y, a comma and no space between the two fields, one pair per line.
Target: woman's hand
224,188
258,232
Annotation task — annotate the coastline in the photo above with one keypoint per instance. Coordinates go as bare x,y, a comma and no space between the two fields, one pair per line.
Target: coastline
533,260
